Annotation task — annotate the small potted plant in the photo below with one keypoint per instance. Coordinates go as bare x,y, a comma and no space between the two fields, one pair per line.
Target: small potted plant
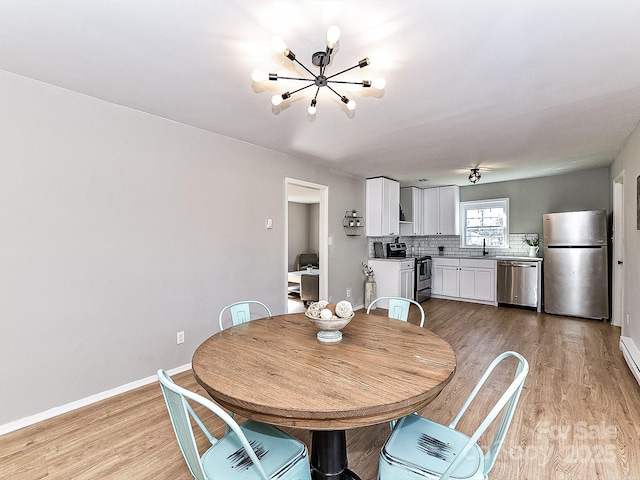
441,250
354,213
533,243
309,268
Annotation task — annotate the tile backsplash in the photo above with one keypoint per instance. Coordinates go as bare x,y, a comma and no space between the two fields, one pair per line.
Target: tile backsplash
429,246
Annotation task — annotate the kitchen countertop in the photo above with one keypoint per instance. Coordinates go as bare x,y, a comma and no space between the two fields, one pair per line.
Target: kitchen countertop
393,259
522,259
490,257
466,257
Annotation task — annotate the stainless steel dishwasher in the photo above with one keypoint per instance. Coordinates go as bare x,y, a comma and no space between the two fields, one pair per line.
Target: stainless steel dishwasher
518,282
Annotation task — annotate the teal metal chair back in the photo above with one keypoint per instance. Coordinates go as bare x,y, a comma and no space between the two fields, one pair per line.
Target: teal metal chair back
240,312
399,308
253,450
421,449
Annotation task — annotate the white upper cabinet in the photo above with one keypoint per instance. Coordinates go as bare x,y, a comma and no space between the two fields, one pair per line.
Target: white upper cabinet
441,211
383,207
431,214
412,204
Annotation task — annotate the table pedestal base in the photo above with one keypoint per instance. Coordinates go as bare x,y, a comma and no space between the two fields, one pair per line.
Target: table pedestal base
329,456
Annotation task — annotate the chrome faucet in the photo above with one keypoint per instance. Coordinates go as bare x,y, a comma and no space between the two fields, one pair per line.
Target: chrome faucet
484,248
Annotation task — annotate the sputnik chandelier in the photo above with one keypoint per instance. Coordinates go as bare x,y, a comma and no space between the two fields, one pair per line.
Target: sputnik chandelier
321,60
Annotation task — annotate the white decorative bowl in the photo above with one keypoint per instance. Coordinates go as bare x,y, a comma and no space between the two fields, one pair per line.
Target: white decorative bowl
329,329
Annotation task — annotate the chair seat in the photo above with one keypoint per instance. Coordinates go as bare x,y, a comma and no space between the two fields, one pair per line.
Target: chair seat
421,449
281,456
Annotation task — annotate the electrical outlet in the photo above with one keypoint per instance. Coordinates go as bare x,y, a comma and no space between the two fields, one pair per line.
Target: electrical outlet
180,337
348,293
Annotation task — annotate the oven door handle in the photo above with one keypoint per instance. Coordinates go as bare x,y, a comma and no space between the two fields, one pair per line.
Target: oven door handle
423,268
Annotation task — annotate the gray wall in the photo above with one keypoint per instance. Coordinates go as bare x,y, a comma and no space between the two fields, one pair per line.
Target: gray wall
629,162
299,221
531,198
314,227
118,229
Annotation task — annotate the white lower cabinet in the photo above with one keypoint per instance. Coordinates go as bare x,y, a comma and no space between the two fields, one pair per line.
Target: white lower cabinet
407,279
466,279
445,277
394,278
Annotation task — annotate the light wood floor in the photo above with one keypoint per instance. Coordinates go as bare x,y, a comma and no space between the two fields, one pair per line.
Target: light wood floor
578,417
295,305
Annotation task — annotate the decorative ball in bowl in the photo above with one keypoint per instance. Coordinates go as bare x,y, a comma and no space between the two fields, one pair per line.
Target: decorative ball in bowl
329,318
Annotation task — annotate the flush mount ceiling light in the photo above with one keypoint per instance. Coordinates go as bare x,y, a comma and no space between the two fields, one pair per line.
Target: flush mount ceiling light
320,60
474,176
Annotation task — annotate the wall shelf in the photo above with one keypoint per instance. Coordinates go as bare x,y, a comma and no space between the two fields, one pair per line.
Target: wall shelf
353,223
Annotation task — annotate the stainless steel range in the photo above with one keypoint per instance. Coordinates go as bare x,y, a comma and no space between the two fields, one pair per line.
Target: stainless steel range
423,278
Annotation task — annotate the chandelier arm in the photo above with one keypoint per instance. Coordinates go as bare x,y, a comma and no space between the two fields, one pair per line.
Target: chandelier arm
342,81
302,88
303,66
343,71
325,61
296,78
317,92
329,87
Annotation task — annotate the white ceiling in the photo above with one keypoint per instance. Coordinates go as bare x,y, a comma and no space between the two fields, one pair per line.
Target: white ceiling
520,88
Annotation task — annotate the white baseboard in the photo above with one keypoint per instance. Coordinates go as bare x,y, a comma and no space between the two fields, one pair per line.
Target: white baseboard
83,402
631,354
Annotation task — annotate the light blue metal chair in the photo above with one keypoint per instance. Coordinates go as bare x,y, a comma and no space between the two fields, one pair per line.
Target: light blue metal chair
399,308
420,449
241,312
252,451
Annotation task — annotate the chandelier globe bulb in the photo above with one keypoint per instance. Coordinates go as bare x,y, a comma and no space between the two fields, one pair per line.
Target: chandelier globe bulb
258,76
379,83
333,35
276,100
278,45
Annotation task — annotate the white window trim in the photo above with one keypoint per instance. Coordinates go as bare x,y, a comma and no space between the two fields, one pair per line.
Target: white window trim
479,204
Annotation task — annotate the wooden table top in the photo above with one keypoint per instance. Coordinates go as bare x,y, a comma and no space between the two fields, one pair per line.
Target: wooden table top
275,370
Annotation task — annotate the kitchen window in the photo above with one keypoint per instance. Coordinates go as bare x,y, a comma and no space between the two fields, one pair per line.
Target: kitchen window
484,220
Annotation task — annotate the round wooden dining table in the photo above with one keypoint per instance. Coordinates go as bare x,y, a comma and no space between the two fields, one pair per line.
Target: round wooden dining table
274,370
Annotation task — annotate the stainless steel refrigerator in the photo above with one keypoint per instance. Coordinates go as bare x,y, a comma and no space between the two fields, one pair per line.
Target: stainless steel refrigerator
575,264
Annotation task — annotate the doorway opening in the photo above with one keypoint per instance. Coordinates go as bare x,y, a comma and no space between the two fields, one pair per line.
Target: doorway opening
306,227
